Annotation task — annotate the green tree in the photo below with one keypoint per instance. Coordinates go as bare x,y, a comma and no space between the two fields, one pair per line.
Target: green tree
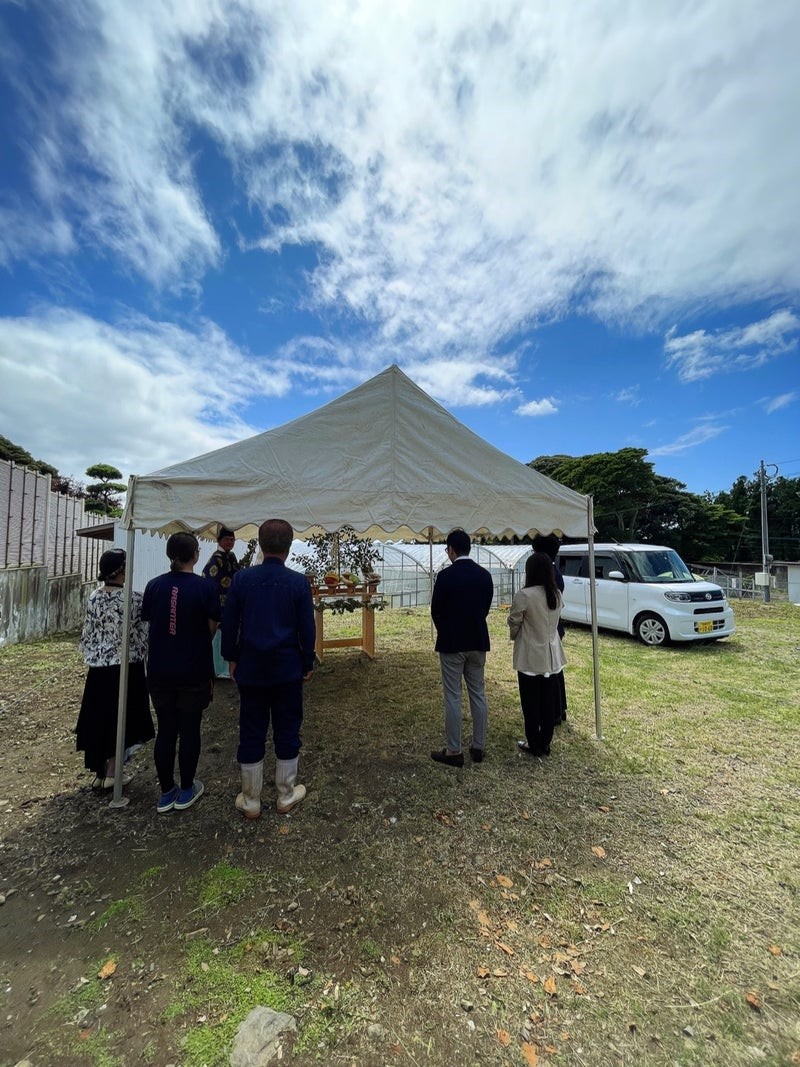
633,503
17,454
783,506
783,516
744,498
622,483
102,495
60,483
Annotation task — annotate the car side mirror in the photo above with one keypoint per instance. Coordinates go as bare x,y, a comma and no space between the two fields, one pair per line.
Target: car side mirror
618,576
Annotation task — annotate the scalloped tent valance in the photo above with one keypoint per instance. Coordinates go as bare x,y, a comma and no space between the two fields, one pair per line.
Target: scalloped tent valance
384,458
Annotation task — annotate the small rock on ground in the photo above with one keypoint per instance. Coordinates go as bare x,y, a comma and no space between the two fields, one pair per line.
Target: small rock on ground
258,1039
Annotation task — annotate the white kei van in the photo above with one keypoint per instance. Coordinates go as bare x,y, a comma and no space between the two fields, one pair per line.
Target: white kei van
646,590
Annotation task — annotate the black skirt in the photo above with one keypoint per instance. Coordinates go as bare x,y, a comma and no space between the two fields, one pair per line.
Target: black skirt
97,721
540,697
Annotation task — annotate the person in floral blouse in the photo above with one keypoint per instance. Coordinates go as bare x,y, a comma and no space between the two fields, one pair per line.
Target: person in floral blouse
101,646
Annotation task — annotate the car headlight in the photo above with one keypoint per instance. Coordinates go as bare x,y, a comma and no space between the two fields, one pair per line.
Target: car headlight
684,598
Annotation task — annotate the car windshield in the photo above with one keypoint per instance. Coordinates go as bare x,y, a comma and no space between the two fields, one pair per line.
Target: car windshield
660,565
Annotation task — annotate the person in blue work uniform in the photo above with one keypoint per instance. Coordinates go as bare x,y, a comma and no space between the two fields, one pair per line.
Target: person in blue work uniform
183,612
220,570
268,633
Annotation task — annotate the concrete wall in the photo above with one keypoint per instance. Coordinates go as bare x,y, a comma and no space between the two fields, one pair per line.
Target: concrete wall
32,605
23,604
66,602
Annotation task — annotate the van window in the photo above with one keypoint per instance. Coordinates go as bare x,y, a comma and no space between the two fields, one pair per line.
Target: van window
604,565
570,566
658,566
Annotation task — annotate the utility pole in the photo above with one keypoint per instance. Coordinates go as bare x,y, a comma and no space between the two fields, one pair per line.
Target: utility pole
766,558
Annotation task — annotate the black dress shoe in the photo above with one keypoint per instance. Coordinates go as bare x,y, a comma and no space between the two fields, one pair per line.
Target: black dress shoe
452,760
476,754
523,746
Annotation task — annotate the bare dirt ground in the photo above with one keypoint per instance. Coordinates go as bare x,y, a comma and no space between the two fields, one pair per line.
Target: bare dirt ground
608,906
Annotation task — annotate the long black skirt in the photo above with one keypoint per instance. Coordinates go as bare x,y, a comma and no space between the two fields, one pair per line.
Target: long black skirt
97,721
540,698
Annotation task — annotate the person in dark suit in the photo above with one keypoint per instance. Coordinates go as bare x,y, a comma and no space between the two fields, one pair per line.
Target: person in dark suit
550,544
462,597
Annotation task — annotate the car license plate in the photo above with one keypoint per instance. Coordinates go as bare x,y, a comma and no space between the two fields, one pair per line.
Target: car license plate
705,627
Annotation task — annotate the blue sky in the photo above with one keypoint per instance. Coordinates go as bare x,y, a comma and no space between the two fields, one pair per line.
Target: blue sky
575,224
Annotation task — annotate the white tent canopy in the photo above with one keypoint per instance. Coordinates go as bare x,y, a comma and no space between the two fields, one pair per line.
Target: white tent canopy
384,458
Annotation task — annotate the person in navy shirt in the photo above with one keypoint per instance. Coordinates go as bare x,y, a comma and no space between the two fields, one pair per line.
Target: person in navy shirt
183,611
268,634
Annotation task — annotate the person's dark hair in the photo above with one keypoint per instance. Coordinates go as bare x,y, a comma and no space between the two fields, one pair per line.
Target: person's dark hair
539,571
275,537
111,564
459,541
547,543
181,548
225,531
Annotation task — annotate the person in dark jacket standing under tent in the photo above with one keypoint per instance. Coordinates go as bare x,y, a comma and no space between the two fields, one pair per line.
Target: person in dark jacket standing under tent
268,635
461,600
220,570
183,612
550,544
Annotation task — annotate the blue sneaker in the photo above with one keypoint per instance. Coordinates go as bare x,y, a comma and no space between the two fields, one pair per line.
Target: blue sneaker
187,797
167,800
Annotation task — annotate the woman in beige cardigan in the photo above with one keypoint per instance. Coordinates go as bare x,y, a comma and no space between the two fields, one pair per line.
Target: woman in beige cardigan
538,653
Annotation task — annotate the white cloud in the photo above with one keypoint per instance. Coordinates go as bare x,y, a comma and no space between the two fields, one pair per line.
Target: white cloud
463,383
140,394
110,157
630,396
777,403
464,171
22,235
545,406
702,354
698,436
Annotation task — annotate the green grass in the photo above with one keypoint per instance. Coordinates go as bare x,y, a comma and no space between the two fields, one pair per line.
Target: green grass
97,1046
223,986
222,885
652,875
131,908
98,1049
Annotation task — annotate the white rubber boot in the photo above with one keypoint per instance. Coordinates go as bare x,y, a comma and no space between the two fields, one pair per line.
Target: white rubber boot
289,793
249,800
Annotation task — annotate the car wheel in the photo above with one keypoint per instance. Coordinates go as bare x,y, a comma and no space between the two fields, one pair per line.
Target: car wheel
652,630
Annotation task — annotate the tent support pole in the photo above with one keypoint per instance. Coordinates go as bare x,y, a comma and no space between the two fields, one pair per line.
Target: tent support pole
430,576
598,727
118,800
